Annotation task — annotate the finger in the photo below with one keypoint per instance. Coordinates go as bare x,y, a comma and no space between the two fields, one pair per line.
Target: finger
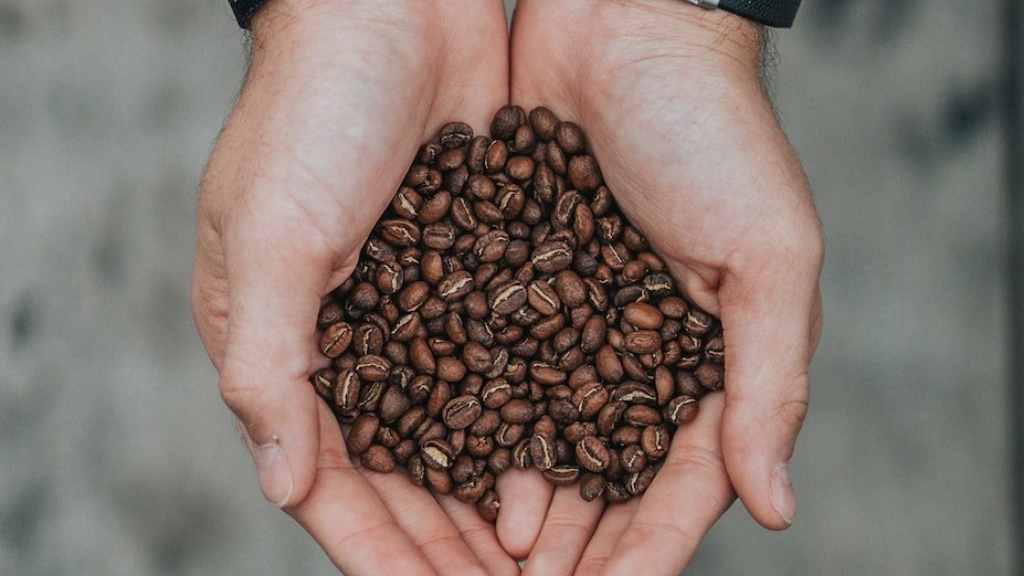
272,309
525,496
609,530
346,517
770,318
480,536
426,523
687,497
567,529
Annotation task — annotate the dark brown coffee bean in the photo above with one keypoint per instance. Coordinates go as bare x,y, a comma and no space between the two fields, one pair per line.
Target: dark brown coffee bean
643,316
437,454
421,356
500,460
638,482
517,411
336,339
608,364
460,412
591,487
633,392
462,214
400,232
488,506
642,342
681,410
609,417
714,350
330,313
562,474
520,167
710,376
633,458
544,123
438,480
387,437
508,434
450,369
697,322
508,298
362,433
364,296
550,257
496,156
584,173
455,286
543,297
479,446
456,134
590,398
496,393
473,489
570,288
593,334
565,339
616,493
439,236
505,122
393,404
378,459
563,411
410,421
406,204
373,368
626,435
542,451
407,327
556,158
655,441
570,138
546,328
521,458
463,468
546,374
664,385
592,454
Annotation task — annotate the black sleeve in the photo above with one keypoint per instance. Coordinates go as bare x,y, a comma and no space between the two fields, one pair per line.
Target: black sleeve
244,9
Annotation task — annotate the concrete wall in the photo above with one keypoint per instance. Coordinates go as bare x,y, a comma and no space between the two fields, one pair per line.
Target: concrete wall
118,457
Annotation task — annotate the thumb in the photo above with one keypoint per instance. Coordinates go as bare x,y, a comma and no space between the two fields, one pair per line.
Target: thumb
771,322
273,302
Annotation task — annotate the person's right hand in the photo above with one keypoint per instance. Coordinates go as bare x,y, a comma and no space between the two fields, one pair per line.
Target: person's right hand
337,100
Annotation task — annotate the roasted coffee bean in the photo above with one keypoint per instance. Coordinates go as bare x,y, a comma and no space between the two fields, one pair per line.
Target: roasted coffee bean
584,173
517,411
362,433
439,480
505,122
460,412
591,487
378,459
561,474
336,339
710,376
589,399
473,489
543,297
393,404
508,298
714,350
546,374
633,458
479,446
373,368
456,134
592,454
488,505
552,256
437,454
542,451
655,441
638,482
499,460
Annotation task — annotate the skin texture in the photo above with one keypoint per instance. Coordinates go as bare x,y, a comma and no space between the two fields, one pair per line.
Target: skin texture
337,99
670,97
340,94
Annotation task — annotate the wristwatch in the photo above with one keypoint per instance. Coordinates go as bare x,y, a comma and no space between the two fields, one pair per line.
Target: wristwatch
774,13
244,9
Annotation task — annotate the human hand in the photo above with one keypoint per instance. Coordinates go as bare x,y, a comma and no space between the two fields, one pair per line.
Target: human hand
670,97
338,97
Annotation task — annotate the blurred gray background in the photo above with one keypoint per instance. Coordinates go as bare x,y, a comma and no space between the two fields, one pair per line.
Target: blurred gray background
117,456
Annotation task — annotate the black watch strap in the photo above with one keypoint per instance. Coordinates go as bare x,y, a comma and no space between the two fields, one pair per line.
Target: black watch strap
244,9
774,13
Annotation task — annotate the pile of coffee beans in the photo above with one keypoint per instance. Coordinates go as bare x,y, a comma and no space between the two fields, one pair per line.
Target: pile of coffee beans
505,313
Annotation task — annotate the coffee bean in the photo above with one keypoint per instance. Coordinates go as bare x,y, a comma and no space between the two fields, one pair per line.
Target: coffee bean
633,458
362,433
460,412
710,376
591,487
546,374
393,404
505,122
543,297
336,339
455,134
517,411
373,368
508,298
439,480
378,459
455,286
681,410
655,441
562,474
550,257
638,482
584,174
592,454
542,451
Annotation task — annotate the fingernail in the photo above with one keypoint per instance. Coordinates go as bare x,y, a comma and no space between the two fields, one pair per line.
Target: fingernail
782,493
275,476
